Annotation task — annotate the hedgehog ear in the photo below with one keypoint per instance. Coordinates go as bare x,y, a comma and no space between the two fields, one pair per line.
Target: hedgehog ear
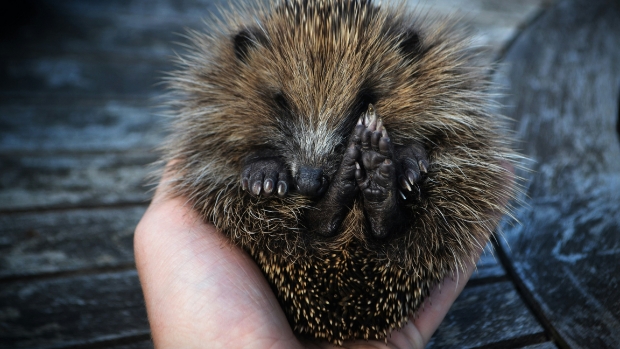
246,40
410,44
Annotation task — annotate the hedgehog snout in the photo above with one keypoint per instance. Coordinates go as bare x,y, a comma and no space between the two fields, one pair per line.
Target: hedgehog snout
311,181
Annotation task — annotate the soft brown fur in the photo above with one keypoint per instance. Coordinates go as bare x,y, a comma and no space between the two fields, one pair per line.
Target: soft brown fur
320,60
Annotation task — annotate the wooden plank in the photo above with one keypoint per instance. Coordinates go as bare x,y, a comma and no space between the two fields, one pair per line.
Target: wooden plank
494,22
563,81
146,8
487,314
40,181
546,345
103,75
488,265
36,125
137,29
60,241
148,344
71,311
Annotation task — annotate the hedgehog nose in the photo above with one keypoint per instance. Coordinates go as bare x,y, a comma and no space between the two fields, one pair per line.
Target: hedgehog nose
311,182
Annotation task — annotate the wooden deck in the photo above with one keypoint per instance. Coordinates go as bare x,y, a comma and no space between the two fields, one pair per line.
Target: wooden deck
78,125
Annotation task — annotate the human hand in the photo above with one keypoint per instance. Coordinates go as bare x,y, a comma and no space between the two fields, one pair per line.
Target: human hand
201,291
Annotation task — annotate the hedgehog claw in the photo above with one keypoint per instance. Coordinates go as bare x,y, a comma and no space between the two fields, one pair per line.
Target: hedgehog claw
423,168
282,188
372,124
413,167
411,176
404,184
256,188
268,186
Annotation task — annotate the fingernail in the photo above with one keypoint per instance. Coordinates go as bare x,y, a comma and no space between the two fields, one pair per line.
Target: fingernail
404,184
282,188
256,188
422,167
268,186
411,177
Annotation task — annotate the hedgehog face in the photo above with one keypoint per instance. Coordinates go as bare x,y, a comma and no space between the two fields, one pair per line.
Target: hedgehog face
313,83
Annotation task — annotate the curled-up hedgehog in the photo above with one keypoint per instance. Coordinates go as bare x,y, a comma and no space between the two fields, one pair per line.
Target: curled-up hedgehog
348,147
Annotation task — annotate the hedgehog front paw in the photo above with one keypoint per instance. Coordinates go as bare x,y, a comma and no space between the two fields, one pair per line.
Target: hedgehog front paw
333,207
376,177
264,176
412,168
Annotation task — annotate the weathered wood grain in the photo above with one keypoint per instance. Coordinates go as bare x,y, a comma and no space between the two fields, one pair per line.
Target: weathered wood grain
563,82
59,241
484,315
102,75
136,28
70,311
40,181
61,125
488,266
147,344
494,22
546,345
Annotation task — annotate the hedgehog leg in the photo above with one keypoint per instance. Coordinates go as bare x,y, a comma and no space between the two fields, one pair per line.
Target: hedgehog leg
328,213
412,167
377,178
265,176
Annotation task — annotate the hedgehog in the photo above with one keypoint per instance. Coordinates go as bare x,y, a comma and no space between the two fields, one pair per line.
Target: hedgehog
350,148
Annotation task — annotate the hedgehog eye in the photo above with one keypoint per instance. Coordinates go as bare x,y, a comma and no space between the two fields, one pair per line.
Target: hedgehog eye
410,45
281,101
246,40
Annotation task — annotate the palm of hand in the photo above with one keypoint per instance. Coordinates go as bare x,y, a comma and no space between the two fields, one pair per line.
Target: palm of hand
201,291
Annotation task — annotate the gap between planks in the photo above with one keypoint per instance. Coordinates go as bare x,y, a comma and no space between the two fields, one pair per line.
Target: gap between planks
527,296
109,342
55,208
519,342
68,273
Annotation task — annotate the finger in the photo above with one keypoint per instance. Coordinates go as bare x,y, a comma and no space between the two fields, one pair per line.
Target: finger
359,174
282,188
256,182
366,139
375,138
440,300
269,184
385,145
358,133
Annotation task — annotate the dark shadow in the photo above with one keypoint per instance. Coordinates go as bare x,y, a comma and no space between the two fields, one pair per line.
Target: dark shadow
23,23
17,14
